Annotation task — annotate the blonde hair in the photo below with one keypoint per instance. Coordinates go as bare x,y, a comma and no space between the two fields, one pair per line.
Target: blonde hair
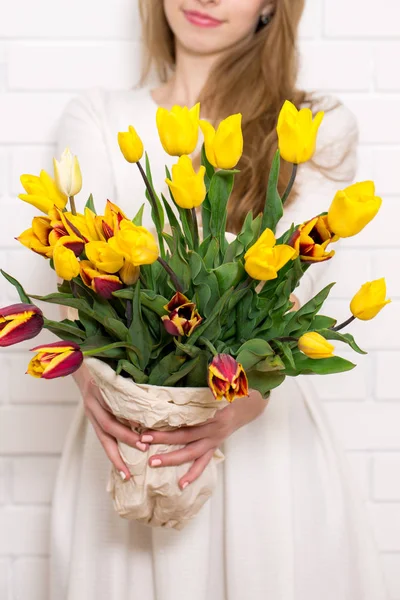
255,79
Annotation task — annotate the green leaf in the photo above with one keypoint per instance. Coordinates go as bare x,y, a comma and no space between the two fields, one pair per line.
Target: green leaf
252,352
179,264
173,221
182,372
197,377
219,193
137,375
158,217
320,366
116,328
284,347
302,318
210,170
154,302
90,204
228,275
64,287
63,328
273,209
138,333
212,318
191,351
322,322
21,292
165,368
182,215
98,341
138,218
205,285
347,338
91,326
211,253
264,382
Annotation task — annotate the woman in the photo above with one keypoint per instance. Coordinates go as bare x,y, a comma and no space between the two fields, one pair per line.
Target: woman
284,522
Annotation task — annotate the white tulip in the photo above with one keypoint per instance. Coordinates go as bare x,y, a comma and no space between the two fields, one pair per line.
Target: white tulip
68,174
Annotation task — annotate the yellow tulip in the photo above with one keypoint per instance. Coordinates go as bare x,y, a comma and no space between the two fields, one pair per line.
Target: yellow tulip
104,257
353,208
135,243
297,132
187,186
129,273
314,345
264,259
178,129
369,300
130,145
224,147
37,237
68,174
42,192
66,264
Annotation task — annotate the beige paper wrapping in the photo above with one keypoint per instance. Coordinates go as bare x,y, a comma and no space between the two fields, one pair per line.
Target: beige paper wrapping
152,495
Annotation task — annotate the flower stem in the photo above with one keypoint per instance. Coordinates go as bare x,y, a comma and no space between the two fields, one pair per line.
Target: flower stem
72,203
95,351
172,274
344,324
209,345
290,184
153,203
195,228
245,283
285,339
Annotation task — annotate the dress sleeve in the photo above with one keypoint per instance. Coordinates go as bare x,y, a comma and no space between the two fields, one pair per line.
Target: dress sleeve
336,156
80,128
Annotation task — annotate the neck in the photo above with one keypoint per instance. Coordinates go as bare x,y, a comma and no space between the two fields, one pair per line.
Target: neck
189,77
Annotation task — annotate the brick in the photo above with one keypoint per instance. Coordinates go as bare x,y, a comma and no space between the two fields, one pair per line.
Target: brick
385,519
117,20
386,177
376,116
28,160
348,268
366,425
351,385
366,163
360,465
362,19
4,393
30,576
391,567
386,54
311,19
30,118
385,264
113,65
385,480
382,231
33,479
336,66
386,385
41,429
24,531
5,577
4,170
28,390
4,481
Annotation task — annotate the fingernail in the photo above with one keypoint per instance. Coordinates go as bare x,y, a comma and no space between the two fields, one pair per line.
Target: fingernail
185,484
155,462
141,446
146,438
123,475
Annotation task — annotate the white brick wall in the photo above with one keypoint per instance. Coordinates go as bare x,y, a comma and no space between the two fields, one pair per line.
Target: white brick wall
351,49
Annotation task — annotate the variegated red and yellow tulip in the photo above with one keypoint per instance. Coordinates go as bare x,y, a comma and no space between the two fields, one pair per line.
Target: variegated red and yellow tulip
101,283
183,316
105,226
311,239
55,360
42,192
227,378
19,322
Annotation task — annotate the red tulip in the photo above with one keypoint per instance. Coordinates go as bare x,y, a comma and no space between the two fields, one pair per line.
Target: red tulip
183,316
55,360
227,378
19,322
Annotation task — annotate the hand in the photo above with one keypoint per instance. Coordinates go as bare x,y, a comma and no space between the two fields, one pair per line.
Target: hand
294,299
107,427
201,441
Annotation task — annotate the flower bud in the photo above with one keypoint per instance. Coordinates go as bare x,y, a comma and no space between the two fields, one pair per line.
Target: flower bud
19,322
227,378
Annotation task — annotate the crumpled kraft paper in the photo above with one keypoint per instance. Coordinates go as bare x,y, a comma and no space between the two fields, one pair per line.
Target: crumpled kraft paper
152,495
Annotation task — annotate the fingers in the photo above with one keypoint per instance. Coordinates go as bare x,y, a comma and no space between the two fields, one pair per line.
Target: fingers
111,426
182,436
179,457
196,469
111,449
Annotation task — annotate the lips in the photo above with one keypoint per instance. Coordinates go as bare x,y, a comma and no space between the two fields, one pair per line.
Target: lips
201,19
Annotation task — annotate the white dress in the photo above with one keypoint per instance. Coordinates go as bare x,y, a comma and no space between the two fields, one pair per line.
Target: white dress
286,521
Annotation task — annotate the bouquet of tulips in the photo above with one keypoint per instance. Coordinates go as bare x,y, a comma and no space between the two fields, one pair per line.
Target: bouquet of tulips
174,326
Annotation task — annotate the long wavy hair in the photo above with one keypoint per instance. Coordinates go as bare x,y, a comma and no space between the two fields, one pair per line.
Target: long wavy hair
255,78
